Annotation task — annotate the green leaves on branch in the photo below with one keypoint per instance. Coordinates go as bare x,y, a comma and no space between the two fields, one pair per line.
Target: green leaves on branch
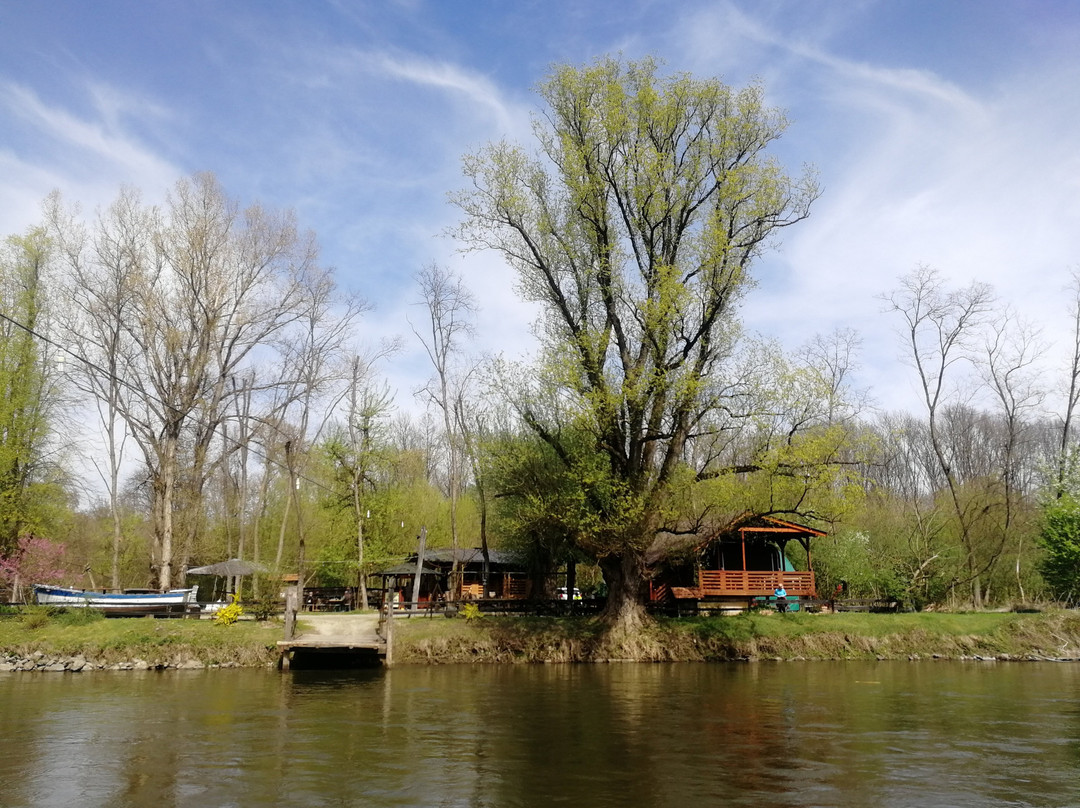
1060,540
635,227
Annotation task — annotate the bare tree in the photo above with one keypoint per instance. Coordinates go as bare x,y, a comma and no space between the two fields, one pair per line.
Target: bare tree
368,403
315,368
1011,351
833,358
450,309
1073,395
206,284
940,327
99,291
473,426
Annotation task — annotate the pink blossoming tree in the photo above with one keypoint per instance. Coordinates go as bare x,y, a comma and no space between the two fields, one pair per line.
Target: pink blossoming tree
35,560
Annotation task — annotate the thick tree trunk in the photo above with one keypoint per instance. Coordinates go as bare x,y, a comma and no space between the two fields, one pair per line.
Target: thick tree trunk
164,491
628,592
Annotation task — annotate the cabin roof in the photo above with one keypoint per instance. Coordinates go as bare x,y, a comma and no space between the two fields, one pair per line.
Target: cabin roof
405,568
755,527
469,556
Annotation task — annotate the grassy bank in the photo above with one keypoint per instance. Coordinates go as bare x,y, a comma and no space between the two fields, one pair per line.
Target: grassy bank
159,643
421,640
1050,635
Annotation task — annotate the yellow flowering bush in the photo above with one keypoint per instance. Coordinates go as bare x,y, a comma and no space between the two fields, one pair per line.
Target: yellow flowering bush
228,615
470,611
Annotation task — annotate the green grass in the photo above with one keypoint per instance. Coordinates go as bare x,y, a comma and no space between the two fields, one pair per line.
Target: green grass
491,638
83,632
749,636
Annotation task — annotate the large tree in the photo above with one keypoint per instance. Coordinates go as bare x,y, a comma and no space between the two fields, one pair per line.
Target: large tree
450,312
635,228
941,327
196,291
29,393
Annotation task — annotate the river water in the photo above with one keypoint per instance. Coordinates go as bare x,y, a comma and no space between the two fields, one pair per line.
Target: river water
761,734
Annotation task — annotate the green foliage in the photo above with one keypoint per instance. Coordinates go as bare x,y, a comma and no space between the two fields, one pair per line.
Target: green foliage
77,617
34,619
28,393
37,617
557,506
470,611
265,604
849,556
635,229
1060,540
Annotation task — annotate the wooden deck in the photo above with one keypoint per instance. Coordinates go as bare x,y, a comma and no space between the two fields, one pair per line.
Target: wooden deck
740,584
752,583
338,634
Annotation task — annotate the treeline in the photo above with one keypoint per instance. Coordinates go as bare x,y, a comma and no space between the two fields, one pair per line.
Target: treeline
217,360
238,418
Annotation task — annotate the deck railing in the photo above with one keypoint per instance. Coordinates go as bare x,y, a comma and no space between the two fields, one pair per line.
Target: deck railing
714,583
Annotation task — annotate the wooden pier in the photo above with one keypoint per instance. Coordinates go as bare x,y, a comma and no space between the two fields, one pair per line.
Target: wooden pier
345,640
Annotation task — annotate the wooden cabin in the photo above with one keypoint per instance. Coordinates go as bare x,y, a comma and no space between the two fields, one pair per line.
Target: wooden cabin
738,564
507,578
398,580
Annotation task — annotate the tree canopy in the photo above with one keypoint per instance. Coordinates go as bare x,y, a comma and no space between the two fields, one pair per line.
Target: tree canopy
635,227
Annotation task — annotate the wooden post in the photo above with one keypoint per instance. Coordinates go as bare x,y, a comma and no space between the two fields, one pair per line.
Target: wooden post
571,583
419,569
292,599
388,627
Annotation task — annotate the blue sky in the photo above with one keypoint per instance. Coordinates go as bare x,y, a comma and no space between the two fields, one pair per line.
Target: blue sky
946,132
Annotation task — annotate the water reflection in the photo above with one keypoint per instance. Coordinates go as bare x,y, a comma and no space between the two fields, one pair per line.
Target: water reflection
814,734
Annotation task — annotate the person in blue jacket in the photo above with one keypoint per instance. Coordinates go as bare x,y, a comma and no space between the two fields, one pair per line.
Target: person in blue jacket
781,598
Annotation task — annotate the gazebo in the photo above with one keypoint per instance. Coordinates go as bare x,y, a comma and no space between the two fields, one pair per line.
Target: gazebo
231,569
738,563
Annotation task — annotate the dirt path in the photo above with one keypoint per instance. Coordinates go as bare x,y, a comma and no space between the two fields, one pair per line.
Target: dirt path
344,628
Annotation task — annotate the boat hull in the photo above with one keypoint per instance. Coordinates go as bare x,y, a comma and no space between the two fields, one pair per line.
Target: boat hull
173,602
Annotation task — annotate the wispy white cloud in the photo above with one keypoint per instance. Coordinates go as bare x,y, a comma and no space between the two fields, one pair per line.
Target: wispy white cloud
358,116
980,182
478,90
103,140
87,156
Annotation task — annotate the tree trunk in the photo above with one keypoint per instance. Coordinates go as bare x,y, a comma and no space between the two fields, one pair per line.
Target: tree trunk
627,592
164,510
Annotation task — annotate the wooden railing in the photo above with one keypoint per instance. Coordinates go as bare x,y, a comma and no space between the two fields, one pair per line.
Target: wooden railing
513,588
713,583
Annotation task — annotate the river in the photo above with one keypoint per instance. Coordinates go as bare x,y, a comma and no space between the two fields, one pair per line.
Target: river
760,734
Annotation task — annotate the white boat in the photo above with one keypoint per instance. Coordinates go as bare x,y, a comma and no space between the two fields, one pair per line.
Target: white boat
175,601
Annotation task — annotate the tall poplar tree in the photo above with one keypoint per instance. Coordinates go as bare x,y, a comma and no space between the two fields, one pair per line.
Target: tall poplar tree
635,228
27,384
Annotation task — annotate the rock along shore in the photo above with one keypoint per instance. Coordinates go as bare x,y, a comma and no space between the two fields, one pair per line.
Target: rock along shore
45,663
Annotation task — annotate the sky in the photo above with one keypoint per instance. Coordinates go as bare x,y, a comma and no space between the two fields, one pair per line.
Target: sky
944,132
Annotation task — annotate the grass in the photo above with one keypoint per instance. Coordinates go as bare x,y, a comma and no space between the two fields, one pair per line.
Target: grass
1051,634
82,632
751,636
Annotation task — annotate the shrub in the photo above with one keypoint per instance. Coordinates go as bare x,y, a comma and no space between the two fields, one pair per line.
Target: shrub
228,615
34,618
77,617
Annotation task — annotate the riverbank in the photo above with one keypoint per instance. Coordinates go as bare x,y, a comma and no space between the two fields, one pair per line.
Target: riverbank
35,640
1053,635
